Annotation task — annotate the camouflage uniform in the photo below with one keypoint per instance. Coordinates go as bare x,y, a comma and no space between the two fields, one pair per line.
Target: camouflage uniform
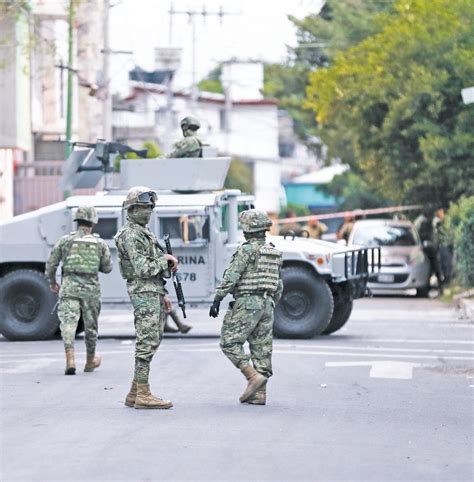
143,266
191,145
253,277
82,255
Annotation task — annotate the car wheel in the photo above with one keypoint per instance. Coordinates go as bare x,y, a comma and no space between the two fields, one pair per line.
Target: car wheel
423,292
25,306
341,314
306,306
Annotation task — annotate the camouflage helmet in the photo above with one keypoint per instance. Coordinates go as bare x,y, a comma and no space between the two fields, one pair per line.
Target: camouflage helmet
253,220
140,196
86,213
190,122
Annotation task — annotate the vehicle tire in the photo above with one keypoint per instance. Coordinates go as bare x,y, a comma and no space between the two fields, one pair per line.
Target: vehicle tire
343,304
423,292
340,316
306,306
25,306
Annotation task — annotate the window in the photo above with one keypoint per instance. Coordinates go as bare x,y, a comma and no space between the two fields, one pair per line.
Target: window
193,227
106,227
383,235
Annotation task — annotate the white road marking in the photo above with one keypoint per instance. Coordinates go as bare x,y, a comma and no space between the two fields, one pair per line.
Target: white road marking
379,348
28,366
411,340
383,369
334,353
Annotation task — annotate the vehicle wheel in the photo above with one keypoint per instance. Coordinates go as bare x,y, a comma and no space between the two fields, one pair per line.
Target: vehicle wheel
340,316
423,292
25,306
343,304
306,307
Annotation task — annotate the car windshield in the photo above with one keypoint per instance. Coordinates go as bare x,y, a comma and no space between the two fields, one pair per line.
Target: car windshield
384,235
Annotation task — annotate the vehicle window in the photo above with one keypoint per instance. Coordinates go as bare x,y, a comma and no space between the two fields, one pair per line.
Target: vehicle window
384,236
243,206
186,227
106,228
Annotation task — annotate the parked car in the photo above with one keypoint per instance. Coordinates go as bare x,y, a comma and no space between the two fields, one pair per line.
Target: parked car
403,264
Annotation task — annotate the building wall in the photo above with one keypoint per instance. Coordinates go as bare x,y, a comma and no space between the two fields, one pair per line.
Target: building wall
6,183
14,85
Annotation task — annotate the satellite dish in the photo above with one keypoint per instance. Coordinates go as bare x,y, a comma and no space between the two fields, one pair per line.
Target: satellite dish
76,178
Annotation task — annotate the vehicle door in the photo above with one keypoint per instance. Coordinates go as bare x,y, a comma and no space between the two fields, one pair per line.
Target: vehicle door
189,233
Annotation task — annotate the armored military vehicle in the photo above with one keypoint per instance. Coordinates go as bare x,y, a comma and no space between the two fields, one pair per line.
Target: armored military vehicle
321,279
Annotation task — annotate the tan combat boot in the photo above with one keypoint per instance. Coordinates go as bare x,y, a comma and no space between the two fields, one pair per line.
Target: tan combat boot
145,399
131,395
260,397
93,362
182,327
70,364
255,380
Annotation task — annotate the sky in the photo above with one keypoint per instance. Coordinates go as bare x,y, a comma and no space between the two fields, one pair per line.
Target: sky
254,29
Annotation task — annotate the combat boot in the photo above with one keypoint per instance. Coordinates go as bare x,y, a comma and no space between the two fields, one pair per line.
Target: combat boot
70,364
260,397
145,399
131,395
255,380
182,327
169,329
93,362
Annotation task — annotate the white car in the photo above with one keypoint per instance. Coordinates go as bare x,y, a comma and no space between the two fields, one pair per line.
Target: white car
403,263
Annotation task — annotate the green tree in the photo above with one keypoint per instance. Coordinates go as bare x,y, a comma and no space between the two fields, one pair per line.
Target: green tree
395,97
239,176
339,25
154,151
212,82
353,192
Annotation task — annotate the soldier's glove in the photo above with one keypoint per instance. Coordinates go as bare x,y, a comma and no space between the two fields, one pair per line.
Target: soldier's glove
214,309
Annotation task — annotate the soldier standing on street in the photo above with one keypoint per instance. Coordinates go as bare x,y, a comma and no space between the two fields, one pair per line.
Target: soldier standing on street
83,255
254,278
143,265
191,145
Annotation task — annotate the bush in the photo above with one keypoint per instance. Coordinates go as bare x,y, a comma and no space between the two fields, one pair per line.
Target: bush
458,231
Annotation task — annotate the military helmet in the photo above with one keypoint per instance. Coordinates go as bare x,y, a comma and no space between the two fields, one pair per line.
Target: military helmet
190,122
86,213
253,220
140,196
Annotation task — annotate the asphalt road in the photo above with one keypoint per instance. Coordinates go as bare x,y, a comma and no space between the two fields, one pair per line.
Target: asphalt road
389,397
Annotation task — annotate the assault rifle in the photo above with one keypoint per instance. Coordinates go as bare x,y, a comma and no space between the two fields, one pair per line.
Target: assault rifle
176,282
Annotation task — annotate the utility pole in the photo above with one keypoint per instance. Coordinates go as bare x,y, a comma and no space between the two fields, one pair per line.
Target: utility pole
107,105
192,14
70,72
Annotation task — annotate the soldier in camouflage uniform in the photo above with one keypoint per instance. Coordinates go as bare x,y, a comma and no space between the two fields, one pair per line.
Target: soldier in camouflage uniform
254,279
82,255
143,265
191,145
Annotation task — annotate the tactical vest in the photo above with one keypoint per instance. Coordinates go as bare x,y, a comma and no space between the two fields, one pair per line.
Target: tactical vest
83,255
263,274
125,265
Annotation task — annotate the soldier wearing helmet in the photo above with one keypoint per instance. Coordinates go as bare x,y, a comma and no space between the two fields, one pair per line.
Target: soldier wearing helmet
253,278
82,255
144,265
191,145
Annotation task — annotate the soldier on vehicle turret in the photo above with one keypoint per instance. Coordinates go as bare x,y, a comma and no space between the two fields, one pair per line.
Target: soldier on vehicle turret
191,145
82,255
254,278
143,265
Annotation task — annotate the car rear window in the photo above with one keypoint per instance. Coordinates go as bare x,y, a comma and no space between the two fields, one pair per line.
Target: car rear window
384,235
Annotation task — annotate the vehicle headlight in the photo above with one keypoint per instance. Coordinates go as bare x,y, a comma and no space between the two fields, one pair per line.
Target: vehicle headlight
415,258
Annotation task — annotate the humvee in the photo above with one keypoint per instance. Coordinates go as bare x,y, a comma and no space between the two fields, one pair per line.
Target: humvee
321,279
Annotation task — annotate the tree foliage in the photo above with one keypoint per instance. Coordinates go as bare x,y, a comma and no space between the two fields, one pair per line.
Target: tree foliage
339,25
458,231
395,99
239,176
